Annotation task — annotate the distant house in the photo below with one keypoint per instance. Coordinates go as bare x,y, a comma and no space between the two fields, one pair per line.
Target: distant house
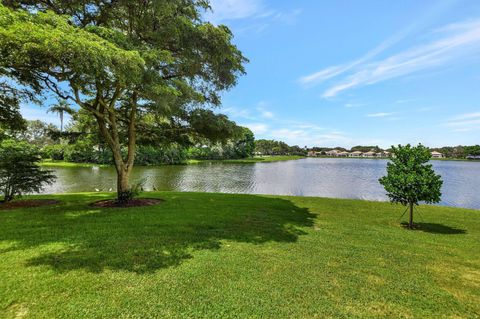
343,154
356,154
332,153
311,153
383,154
436,154
370,154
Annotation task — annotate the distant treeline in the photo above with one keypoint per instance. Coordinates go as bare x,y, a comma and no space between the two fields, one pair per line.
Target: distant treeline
272,147
459,151
79,143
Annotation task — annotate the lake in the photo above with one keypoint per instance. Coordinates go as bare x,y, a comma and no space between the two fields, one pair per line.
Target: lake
324,177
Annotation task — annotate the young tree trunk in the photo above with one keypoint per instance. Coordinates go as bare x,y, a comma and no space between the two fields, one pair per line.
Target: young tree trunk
410,224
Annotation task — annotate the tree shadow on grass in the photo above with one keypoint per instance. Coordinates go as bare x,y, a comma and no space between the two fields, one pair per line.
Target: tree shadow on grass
146,239
436,228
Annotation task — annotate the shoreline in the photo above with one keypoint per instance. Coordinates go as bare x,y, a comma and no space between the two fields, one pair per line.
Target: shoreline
147,193
265,159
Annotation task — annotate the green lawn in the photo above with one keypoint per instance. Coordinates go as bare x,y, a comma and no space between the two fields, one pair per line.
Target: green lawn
50,163
265,159
203,255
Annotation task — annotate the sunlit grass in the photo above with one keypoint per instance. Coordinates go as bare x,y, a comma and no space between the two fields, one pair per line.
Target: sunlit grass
237,256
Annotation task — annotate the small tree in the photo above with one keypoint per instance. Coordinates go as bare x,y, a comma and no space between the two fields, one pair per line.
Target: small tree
19,171
410,179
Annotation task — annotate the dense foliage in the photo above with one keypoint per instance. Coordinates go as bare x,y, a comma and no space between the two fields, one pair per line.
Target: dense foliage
272,147
410,179
123,62
19,172
459,151
81,143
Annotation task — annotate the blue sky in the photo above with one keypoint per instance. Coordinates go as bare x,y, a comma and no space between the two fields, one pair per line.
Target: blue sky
344,73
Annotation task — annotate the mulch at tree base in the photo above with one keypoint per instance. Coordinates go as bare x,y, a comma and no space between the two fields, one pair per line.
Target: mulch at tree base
137,202
27,203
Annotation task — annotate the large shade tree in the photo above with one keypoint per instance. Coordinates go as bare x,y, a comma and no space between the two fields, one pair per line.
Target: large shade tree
119,60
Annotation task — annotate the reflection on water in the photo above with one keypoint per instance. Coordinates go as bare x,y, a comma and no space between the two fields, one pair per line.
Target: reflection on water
325,177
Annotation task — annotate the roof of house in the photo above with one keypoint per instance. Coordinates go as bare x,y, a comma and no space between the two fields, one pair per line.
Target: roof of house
357,152
436,153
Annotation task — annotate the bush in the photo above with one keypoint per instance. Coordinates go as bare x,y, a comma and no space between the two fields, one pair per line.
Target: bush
19,171
54,152
86,152
150,155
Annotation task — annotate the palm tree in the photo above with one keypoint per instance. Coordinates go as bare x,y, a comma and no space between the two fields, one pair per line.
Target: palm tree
61,108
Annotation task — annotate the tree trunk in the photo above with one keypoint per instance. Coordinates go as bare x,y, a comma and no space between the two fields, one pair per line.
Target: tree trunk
123,189
111,136
410,224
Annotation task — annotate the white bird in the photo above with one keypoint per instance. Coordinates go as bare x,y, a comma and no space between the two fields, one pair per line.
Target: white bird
97,190
110,189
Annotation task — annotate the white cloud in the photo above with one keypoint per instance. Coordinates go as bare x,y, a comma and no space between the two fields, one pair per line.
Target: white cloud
228,10
333,71
465,122
267,114
310,137
238,113
223,10
380,114
352,105
461,41
261,108
467,116
257,128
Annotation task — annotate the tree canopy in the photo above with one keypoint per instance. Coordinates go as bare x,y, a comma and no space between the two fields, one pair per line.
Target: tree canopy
410,179
120,60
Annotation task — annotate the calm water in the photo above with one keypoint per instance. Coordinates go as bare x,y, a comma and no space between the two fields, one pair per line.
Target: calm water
325,177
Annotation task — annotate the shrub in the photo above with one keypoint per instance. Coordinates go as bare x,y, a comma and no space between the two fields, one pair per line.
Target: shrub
54,152
19,169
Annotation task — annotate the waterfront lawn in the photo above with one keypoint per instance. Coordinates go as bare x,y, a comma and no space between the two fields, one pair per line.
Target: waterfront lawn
237,256
264,159
50,163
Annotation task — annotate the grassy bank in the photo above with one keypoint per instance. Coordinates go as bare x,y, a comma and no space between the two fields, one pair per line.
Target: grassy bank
266,159
48,163
237,256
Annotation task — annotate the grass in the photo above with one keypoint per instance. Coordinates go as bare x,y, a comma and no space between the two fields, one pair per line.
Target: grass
50,163
202,255
265,159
